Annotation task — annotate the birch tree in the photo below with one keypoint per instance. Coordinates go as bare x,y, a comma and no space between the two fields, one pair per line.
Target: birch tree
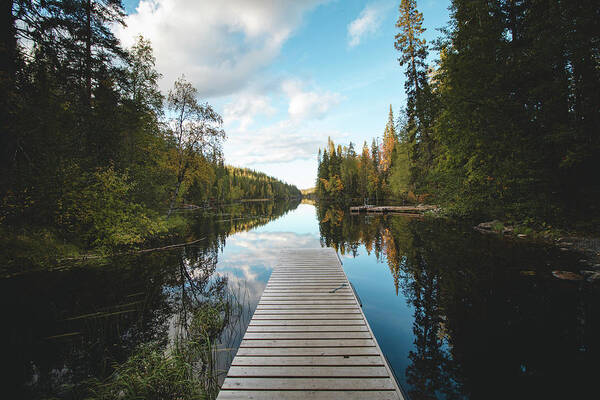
195,128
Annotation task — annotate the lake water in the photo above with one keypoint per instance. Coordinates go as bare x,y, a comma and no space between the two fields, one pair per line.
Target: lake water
458,314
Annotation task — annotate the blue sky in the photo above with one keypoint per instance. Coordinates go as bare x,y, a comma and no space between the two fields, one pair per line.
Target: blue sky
285,74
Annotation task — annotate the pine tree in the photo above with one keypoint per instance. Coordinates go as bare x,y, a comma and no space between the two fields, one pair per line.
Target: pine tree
351,151
413,53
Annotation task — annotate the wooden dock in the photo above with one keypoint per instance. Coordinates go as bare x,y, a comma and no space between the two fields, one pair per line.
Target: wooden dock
309,339
418,209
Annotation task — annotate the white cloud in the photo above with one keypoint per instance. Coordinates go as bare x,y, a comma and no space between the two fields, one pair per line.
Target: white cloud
218,45
281,142
296,137
367,22
245,108
308,104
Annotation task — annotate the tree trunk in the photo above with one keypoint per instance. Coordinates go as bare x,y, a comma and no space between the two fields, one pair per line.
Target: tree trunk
88,54
174,199
8,55
8,46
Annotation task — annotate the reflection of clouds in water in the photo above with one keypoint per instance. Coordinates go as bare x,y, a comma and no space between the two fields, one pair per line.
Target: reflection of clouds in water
248,259
273,240
248,292
250,256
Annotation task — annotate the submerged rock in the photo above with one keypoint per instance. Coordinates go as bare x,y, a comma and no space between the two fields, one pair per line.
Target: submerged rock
489,225
591,276
527,273
567,275
494,226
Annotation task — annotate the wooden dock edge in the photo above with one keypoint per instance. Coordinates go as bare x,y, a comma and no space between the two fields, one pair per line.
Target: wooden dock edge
419,209
385,360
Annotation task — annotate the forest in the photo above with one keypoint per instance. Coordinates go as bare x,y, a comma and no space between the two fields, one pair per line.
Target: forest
503,123
93,155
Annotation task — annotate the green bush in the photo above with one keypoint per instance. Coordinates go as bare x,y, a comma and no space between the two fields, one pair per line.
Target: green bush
99,209
152,374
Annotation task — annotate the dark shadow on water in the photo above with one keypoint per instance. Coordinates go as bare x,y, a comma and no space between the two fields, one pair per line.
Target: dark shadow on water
62,328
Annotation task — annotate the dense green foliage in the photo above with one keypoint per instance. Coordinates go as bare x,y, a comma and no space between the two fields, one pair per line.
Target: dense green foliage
506,123
233,183
91,153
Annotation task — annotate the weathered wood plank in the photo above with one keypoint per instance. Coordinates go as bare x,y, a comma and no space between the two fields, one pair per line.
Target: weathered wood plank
307,277
305,270
304,291
308,343
308,383
307,372
308,328
331,303
284,306
304,322
328,302
300,279
332,311
258,317
307,273
328,291
308,361
304,278
305,285
303,296
308,351
308,292
307,395
307,335
343,289
300,295
307,298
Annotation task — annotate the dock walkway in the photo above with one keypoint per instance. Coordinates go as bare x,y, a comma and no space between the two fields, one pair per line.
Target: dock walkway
309,339
419,209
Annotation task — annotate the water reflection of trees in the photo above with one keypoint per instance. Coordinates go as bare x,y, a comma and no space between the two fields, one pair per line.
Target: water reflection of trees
431,366
68,326
479,323
218,223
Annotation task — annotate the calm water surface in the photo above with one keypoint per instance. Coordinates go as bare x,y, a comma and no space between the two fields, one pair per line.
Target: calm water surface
457,314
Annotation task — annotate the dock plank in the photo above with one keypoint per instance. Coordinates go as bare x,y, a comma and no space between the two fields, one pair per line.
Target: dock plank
313,383
309,339
308,351
308,371
285,322
308,328
307,335
307,395
333,361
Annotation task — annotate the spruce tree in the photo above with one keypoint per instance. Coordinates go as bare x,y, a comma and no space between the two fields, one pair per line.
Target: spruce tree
389,143
413,53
